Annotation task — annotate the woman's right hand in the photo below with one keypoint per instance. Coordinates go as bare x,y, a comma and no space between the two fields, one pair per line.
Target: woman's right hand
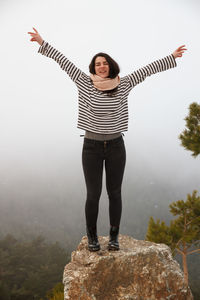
36,37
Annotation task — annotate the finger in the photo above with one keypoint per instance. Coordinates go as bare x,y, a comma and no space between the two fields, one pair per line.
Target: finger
182,47
35,30
181,52
33,34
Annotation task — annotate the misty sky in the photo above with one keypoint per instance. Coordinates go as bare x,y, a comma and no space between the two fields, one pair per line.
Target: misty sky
38,102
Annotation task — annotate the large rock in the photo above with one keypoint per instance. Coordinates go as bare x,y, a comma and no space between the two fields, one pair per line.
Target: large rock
140,270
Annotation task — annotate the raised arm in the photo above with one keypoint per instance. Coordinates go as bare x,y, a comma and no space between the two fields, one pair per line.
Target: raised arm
160,65
47,50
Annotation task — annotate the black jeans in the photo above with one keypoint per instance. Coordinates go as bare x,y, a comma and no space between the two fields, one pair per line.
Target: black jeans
93,156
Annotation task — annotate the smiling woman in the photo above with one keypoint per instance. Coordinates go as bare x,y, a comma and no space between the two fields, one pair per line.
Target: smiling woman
101,67
102,62
104,116
104,72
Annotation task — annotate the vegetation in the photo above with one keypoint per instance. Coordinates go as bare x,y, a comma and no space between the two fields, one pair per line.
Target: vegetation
183,233
57,293
190,137
29,269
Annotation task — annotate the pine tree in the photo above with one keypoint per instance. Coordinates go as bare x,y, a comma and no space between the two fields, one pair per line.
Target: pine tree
190,137
183,233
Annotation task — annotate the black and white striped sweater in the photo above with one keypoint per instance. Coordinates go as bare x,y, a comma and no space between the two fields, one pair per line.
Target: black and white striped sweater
100,112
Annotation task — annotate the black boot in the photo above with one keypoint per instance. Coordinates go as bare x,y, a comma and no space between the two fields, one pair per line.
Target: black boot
113,240
93,243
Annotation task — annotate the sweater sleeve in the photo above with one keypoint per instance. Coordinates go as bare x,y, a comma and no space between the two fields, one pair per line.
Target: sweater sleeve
160,65
66,65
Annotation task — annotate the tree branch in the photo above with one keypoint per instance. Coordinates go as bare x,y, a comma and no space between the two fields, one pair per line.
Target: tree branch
178,242
193,251
181,252
191,221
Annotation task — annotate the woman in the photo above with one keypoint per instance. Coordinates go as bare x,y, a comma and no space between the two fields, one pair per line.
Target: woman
103,114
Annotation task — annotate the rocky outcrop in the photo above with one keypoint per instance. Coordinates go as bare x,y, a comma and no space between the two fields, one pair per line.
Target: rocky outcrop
139,270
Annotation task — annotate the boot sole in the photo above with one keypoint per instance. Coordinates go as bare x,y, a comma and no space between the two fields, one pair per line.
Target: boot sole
113,248
93,249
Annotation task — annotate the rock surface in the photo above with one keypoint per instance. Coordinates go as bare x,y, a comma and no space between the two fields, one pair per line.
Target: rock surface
139,270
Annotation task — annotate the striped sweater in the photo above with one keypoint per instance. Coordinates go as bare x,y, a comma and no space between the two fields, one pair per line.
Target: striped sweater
98,111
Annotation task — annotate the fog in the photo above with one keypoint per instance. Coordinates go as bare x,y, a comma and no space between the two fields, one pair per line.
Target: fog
41,179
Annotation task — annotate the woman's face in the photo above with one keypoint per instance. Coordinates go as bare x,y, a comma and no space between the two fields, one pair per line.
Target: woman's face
101,67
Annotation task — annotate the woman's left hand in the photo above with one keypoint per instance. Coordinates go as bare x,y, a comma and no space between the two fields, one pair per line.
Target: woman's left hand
179,52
